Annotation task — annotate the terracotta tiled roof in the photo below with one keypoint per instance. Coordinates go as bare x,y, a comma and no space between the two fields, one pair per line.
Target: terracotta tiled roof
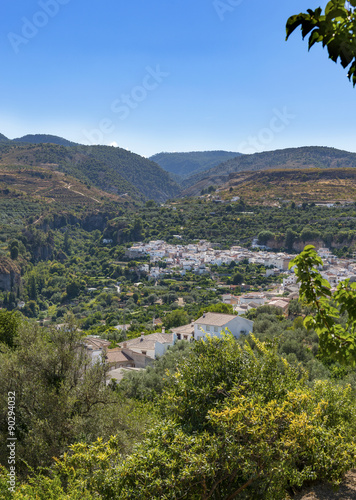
116,356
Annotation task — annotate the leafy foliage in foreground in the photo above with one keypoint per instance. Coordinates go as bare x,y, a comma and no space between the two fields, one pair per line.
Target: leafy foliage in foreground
61,396
238,423
335,339
9,326
334,29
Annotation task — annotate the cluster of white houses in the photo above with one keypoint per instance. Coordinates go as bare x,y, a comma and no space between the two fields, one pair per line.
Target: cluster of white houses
199,256
140,352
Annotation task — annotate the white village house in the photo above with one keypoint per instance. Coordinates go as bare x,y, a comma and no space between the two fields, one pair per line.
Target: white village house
214,324
257,298
151,346
141,352
185,332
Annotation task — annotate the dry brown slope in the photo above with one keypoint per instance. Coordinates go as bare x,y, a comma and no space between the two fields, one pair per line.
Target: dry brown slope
46,184
312,185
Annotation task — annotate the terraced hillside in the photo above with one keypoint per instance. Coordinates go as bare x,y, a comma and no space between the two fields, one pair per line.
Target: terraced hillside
292,158
299,185
46,185
110,169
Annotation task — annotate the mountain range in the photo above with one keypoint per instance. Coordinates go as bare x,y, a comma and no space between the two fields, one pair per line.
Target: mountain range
183,165
39,139
108,168
291,158
163,176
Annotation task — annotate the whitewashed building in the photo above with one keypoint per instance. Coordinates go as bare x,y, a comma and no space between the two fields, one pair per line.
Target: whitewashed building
214,324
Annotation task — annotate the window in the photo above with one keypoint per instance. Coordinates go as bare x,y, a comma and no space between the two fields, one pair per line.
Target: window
216,329
207,328
144,352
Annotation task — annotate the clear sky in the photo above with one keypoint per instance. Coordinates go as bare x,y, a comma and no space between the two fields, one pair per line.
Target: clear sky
170,75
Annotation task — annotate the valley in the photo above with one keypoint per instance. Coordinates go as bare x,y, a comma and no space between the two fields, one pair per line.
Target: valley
107,253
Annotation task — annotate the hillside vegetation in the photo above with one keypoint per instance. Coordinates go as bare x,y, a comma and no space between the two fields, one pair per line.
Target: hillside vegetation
311,185
186,164
3,138
299,158
260,417
269,187
40,184
113,170
44,139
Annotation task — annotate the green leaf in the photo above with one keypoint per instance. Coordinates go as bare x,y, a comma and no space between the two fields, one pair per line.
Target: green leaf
292,23
314,38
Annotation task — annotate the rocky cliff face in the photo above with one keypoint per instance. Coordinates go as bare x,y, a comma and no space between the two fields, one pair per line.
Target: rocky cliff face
10,275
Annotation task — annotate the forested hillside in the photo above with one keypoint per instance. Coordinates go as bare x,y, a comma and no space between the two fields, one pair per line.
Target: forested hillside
180,327
305,157
186,164
68,216
3,138
44,139
261,416
114,170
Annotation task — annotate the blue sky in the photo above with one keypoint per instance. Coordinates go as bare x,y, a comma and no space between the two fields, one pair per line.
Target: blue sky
173,75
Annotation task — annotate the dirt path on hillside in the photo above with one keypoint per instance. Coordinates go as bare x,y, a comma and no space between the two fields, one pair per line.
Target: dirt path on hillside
69,187
346,491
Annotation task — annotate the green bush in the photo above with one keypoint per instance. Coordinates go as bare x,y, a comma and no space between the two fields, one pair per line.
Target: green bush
236,423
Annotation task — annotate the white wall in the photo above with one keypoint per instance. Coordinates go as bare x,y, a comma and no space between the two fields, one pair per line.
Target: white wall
235,326
161,348
149,352
240,326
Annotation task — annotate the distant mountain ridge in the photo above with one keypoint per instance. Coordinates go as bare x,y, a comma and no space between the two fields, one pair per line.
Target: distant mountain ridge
44,139
108,168
3,138
184,165
118,171
303,157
